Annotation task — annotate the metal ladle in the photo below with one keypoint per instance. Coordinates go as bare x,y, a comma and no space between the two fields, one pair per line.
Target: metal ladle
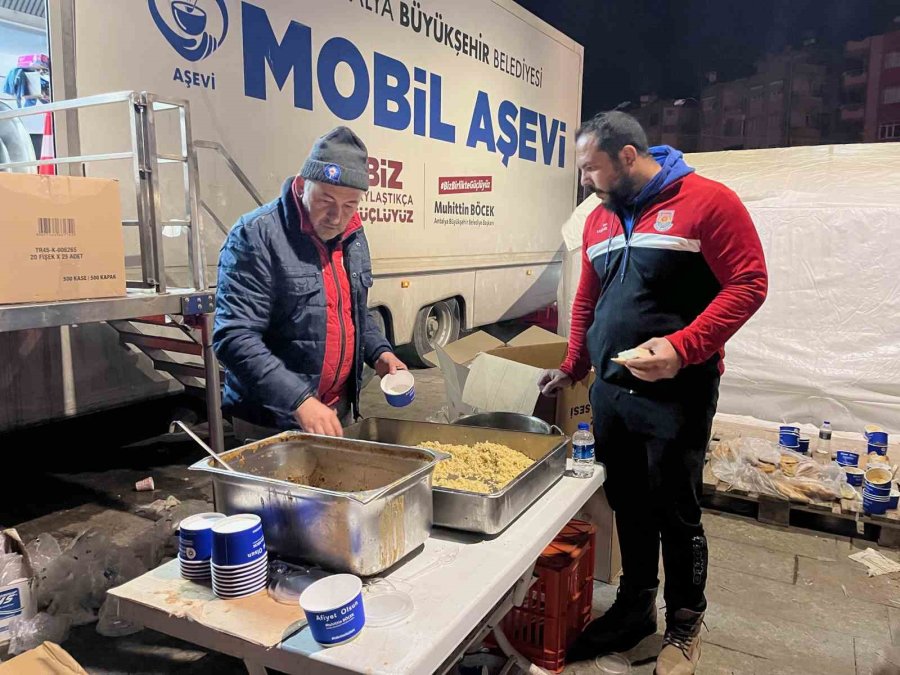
209,450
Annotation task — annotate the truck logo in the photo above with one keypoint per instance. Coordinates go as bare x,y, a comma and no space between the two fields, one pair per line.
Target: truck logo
191,32
10,604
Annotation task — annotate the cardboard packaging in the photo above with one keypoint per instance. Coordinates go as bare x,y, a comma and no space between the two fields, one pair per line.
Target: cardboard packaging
607,557
503,377
45,659
482,373
17,596
60,238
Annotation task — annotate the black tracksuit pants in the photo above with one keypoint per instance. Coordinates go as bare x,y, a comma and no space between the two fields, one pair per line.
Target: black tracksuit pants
654,450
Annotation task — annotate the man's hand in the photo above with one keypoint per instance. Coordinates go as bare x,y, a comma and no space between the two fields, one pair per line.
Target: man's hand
663,364
551,381
315,417
388,364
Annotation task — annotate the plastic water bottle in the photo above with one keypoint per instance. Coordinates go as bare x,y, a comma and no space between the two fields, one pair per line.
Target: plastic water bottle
823,449
583,451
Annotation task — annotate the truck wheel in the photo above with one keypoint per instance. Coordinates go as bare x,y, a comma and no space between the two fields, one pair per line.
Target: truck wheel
436,325
378,318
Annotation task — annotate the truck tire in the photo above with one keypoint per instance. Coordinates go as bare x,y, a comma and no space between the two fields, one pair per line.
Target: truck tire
436,325
378,318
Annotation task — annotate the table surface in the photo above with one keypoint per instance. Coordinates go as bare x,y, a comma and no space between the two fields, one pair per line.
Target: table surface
463,577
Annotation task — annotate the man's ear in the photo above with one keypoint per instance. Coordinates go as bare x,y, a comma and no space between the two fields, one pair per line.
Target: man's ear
628,155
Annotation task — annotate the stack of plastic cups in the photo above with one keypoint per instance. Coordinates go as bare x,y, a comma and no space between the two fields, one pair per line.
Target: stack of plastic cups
789,437
195,540
240,562
877,491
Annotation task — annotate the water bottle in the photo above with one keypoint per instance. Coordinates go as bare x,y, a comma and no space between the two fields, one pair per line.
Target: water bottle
583,451
823,449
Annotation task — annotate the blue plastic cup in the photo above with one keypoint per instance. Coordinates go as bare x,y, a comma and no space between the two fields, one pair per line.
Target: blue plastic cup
877,448
238,540
879,477
854,476
879,437
874,506
334,609
804,445
847,458
399,389
894,499
195,536
789,436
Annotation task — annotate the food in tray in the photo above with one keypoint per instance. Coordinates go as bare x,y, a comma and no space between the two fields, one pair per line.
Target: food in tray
482,467
632,354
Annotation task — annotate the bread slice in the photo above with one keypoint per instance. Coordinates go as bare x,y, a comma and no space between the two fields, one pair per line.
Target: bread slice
631,355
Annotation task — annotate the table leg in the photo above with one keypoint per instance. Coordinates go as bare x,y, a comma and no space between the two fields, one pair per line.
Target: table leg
253,668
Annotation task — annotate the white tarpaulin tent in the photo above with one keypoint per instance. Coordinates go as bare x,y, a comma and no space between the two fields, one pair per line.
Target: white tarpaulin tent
572,231
826,344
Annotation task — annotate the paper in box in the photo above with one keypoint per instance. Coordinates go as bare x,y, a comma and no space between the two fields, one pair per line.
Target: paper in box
482,373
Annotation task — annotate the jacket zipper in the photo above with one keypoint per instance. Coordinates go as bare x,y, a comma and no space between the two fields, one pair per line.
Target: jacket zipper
628,233
340,294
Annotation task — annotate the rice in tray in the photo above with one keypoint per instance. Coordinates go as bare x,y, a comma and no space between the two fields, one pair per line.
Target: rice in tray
482,467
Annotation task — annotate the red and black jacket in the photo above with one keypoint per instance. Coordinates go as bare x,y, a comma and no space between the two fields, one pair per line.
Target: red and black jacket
692,270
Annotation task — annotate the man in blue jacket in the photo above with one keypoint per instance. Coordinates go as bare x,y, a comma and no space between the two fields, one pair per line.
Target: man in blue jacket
292,327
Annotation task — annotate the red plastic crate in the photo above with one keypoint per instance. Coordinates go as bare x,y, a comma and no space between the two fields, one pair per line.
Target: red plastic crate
558,605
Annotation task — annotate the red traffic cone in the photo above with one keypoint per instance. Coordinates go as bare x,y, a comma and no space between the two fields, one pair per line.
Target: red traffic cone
47,151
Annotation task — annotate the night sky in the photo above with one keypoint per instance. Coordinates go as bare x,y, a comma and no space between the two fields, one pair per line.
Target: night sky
633,47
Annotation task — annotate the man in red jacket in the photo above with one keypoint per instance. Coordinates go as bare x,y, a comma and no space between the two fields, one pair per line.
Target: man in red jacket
671,263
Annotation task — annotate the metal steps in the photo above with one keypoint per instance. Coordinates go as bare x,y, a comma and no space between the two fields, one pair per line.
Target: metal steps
173,347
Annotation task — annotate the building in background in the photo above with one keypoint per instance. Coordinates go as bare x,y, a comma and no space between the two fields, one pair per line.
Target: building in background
808,96
870,89
674,122
785,103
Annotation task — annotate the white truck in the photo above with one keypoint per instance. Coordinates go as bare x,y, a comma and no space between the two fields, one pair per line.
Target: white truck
468,109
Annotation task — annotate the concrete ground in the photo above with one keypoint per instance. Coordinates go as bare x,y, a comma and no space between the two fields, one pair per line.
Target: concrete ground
780,601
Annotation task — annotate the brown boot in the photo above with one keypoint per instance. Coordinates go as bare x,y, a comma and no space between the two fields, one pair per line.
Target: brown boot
681,644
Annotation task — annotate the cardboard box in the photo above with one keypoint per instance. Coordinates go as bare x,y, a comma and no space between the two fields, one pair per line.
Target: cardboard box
17,597
482,373
60,238
503,377
607,557
45,659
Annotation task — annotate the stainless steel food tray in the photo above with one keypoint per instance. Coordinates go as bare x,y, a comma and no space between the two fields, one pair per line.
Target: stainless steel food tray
345,504
472,511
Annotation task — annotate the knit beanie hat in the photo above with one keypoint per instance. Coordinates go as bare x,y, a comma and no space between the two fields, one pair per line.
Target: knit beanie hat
338,158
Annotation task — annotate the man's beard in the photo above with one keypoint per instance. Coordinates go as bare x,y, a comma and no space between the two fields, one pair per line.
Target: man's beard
619,194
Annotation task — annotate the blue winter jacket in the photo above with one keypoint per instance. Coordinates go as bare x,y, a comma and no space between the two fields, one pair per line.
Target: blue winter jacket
271,314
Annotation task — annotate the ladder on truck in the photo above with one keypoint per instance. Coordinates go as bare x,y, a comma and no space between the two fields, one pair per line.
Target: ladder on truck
174,345
150,306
